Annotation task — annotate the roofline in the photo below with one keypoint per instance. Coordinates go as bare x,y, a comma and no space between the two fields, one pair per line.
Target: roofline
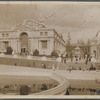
58,34
26,26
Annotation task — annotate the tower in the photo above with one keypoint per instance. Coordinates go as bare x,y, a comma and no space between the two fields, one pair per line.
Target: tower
68,38
68,45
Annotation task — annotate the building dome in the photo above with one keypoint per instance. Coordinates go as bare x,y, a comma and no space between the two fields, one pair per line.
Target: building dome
77,48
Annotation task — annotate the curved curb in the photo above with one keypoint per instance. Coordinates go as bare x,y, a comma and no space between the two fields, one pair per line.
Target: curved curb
60,89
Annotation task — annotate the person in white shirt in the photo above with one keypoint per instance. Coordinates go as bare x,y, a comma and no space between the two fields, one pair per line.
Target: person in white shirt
53,67
93,61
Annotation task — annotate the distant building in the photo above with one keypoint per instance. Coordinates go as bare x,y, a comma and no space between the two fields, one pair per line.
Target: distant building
78,49
95,46
32,35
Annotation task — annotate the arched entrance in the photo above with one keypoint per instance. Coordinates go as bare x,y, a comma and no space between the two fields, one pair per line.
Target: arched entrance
24,42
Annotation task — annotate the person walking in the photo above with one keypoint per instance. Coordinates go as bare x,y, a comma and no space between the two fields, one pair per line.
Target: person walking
42,65
53,67
86,60
76,59
70,68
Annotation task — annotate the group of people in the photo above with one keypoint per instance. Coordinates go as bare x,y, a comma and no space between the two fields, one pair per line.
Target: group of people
82,91
44,65
90,59
50,66
70,68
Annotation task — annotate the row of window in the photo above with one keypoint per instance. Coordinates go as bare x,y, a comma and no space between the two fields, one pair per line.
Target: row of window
43,33
5,35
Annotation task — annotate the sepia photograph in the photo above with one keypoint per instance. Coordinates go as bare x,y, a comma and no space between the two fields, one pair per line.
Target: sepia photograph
49,48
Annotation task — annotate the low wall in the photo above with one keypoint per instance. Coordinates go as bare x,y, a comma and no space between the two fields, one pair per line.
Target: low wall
30,76
26,62
97,65
58,90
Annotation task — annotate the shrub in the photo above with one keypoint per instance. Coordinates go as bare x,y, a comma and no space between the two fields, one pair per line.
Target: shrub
54,53
9,50
36,52
24,90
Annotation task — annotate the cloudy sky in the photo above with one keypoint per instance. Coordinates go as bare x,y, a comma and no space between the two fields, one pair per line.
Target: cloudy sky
82,20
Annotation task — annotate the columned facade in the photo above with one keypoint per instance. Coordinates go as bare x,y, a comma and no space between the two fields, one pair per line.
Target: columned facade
25,39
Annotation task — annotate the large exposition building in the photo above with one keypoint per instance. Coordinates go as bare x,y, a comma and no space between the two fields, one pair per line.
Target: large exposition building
32,35
95,45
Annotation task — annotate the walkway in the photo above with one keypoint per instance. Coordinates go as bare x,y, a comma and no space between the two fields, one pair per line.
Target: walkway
76,78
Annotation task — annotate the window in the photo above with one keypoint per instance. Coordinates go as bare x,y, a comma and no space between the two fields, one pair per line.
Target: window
46,33
44,44
7,35
41,33
6,44
3,34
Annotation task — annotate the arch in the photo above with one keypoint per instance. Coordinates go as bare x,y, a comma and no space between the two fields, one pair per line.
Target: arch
23,33
24,42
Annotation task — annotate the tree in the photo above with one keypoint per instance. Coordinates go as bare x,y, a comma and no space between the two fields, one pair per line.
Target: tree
9,50
36,52
54,53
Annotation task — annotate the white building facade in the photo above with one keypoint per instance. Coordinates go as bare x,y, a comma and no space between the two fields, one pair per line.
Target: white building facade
95,46
32,35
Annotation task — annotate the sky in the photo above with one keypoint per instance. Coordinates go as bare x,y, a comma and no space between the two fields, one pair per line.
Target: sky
80,19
